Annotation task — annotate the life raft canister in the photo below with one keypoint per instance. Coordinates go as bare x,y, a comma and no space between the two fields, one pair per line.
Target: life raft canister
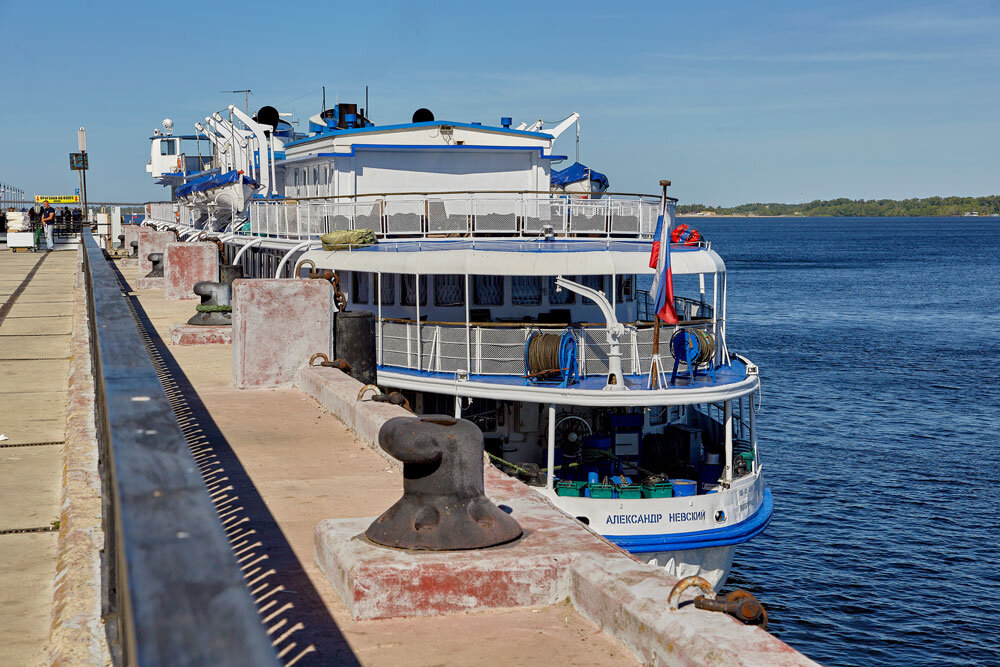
685,235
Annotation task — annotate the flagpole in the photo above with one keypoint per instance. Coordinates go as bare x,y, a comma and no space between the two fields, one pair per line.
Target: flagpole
655,367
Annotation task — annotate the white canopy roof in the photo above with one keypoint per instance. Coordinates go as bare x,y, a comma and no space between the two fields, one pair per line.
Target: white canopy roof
491,262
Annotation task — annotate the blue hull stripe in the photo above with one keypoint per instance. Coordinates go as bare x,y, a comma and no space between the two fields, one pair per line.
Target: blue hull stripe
744,531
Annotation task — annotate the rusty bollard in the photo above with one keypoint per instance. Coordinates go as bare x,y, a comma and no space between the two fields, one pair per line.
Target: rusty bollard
443,505
216,307
157,259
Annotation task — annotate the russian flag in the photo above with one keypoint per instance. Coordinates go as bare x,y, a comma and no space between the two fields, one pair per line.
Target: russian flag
663,281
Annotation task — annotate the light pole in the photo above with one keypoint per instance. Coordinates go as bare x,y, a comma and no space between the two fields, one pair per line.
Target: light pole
81,138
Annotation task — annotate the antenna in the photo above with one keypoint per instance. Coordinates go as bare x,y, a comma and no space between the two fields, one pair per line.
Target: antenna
246,97
324,99
368,111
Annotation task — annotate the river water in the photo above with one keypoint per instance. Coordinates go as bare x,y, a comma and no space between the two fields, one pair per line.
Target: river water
879,347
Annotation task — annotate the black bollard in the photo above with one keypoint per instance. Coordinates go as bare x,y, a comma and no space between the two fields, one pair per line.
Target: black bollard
443,505
157,259
215,309
134,253
354,342
121,241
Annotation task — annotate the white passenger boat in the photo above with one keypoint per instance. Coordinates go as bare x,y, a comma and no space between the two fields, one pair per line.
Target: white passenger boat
522,310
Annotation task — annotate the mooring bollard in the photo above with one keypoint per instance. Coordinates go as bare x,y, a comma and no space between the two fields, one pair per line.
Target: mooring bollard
216,307
121,241
135,249
443,505
157,259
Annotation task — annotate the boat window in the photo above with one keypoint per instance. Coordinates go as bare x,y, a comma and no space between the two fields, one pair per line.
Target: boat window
315,180
449,290
359,287
625,288
168,147
388,291
526,290
593,282
560,297
296,177
487,290
409,290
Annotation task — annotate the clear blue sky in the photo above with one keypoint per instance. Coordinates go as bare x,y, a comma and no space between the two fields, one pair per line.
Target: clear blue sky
732,102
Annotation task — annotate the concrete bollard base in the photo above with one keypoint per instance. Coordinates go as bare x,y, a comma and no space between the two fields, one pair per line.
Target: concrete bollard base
277,326
185,264
188,334
150,242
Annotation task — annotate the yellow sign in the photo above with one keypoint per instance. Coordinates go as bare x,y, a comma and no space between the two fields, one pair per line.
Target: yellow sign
58,199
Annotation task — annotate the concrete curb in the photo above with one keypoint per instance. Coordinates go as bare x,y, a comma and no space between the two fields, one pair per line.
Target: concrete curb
77,636
626,598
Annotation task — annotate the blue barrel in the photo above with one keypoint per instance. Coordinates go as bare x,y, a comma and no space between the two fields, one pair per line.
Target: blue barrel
684,487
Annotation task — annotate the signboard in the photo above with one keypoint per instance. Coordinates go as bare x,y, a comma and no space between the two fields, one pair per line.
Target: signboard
58,199
78,161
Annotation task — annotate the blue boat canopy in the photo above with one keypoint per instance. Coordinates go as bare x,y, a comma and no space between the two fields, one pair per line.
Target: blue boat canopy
213,181
578,172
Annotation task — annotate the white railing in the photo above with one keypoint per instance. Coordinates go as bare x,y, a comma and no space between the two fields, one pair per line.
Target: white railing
471,214
449,348
163,212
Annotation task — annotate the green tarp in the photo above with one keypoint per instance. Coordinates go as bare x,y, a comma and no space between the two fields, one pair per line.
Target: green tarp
348,239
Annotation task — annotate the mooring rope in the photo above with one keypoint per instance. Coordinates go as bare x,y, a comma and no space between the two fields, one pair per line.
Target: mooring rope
543,355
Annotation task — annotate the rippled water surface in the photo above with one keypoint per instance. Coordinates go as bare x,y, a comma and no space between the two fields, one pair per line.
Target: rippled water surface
879,347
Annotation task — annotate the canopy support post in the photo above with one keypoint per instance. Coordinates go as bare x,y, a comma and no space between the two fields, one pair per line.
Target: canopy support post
728,428
551,454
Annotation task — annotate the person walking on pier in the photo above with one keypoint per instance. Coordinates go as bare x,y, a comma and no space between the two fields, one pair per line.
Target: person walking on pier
49,221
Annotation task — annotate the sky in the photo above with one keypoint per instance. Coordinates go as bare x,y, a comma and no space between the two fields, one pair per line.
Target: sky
732,101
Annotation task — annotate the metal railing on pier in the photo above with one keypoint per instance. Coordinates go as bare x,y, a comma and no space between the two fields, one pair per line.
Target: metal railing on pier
173,593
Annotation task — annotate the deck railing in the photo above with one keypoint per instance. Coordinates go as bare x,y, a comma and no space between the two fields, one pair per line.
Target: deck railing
461,214
499,350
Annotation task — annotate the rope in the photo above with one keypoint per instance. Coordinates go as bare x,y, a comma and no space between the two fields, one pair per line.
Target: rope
543,355
513,466
210,308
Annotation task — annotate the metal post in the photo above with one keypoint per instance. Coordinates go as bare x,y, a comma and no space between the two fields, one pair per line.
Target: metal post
728,428
551,461
458,406
468,329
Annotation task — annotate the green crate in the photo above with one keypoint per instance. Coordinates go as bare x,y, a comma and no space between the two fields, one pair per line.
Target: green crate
658,490
630,491
570,488
602,490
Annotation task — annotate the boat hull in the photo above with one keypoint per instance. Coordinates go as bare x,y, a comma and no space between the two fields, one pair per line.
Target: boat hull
712,563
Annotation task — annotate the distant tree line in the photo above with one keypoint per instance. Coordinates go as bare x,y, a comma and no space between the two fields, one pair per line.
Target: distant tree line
930,206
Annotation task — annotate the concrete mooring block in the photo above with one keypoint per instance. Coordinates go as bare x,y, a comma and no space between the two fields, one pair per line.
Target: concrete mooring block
150,242
185,264
277,326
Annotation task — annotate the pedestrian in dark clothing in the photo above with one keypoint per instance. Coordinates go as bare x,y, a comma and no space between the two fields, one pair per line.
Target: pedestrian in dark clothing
49,222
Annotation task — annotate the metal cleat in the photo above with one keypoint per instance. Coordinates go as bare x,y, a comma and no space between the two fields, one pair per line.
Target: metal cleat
339,364
215,308
739,604
157,259
443,505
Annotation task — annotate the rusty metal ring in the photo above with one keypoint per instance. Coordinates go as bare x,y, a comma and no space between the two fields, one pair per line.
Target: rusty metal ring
298,267
317,356
378,392
687,582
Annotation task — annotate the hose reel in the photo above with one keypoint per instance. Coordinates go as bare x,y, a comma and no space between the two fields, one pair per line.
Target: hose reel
696,347
551,358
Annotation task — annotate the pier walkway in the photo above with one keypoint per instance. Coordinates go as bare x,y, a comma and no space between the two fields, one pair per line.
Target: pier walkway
288,464
36,308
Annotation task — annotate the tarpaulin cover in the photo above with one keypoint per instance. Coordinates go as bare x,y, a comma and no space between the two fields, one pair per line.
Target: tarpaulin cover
213,181
343,240
578,172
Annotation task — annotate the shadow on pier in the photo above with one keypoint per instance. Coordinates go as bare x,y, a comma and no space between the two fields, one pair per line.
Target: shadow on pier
301,629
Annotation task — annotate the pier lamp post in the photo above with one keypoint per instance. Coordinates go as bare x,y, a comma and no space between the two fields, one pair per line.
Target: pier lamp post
81,138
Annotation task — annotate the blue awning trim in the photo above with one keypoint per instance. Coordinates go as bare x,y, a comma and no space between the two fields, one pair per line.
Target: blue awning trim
578,172
213,181
742,532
